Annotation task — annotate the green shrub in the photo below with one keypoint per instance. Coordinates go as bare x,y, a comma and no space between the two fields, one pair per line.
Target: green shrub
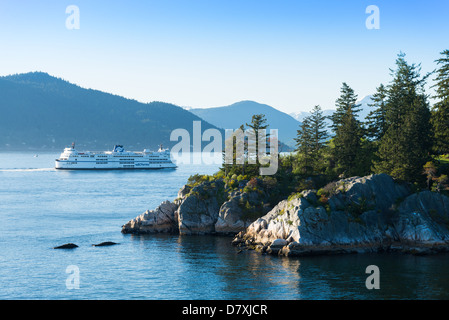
219,175
233,183
321,192
294,195
323,199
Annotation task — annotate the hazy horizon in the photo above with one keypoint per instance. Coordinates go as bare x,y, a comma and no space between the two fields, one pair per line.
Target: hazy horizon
182,106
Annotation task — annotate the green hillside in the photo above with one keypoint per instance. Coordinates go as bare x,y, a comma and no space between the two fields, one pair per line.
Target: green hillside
41,112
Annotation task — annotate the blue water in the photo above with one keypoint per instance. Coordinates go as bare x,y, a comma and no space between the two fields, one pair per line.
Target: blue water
41,208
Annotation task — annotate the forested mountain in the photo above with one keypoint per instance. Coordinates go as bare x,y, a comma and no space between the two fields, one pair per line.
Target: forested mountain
233,116
38,111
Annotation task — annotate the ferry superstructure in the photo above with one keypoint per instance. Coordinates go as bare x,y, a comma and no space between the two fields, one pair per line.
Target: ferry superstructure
118,158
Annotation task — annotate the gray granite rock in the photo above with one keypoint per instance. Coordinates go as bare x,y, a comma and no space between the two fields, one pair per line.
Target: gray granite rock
367,214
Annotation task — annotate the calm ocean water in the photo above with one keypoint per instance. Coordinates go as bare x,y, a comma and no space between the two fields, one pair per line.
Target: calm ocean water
41,208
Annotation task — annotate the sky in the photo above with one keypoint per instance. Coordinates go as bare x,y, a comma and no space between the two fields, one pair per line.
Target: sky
289,54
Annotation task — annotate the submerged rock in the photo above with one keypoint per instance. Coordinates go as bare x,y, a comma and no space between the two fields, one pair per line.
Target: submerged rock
66,246
104,244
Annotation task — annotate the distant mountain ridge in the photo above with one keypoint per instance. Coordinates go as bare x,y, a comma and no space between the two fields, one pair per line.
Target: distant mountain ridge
234,115
364,110
39,111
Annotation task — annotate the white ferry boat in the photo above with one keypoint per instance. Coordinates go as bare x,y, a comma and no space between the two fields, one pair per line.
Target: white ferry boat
118,158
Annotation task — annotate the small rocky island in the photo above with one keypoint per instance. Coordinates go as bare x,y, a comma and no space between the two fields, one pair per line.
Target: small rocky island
370,186
374,213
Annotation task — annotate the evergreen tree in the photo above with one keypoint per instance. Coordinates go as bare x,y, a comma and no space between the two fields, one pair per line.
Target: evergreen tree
318,131
440,112
348,132
304,145
376,119
346,101
258,123
243,144
404,148
239,163
347,143
311,141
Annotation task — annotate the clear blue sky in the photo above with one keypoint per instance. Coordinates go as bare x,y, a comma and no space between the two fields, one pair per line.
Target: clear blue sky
290,54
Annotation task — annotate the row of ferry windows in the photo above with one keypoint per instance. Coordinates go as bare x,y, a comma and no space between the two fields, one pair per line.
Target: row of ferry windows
105,155
137,160
128,160
141,162
120,156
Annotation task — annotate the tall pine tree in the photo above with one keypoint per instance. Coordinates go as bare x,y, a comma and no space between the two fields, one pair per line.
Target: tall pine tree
318,130
440,112
404,148
304,146
348,132
311,140
347,100
258,123
376,119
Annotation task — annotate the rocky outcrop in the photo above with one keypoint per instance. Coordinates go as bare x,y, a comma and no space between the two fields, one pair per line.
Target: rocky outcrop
368,214
197,215
229,218
422,222
235,216
359,214
199,207
161,219
203,209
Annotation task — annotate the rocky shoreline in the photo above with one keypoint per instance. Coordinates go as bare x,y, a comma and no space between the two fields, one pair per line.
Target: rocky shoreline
198,210
353,215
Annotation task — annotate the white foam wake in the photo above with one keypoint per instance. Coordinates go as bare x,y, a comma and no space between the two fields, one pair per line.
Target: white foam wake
28,170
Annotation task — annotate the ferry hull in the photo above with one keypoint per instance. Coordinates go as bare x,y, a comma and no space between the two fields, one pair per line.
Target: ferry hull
106,169
70,165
